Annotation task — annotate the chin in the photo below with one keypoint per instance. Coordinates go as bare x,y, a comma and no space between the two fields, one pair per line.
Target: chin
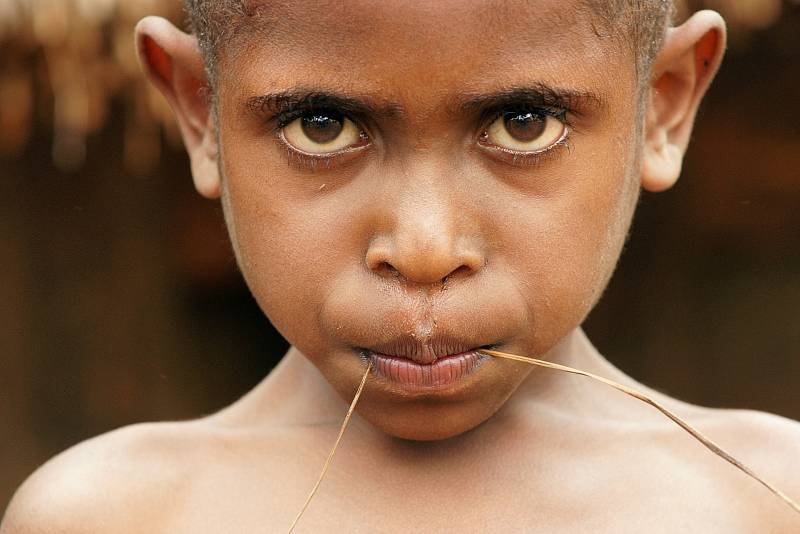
424,434
426,423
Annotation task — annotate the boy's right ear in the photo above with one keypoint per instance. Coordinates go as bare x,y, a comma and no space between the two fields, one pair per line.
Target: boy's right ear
172,61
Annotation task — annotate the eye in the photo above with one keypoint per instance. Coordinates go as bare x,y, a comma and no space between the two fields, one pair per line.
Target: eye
526,131
322,132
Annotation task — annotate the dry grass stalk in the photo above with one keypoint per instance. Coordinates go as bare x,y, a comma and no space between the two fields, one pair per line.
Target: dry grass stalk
696,434
333,450
708,443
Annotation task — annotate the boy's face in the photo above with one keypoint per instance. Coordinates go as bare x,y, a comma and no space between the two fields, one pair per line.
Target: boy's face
469,178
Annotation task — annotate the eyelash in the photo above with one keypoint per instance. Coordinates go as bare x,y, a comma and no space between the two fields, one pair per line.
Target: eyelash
304,160
534,159
313,162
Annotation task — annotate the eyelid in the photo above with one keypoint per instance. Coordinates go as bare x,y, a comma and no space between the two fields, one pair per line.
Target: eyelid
310,161
518,157
277,111
323,155
280,113
576,102
285,117
491,114
289,111
533,159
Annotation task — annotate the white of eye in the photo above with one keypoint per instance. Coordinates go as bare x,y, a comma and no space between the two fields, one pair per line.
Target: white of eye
322,133
526,131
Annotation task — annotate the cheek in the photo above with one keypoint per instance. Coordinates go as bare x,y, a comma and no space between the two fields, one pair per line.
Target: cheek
567,245
286,254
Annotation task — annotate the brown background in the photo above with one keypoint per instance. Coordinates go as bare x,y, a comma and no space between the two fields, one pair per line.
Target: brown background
120,301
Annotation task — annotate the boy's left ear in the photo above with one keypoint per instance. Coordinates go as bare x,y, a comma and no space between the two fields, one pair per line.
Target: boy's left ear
682,72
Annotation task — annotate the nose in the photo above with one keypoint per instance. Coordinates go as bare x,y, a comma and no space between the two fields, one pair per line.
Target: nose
427,244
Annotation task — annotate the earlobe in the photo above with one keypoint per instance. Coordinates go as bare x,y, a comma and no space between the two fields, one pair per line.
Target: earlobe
661,163
173,63
205,169
682,72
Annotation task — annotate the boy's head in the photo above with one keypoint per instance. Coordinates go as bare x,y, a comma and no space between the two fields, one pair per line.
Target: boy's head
639,24
408,180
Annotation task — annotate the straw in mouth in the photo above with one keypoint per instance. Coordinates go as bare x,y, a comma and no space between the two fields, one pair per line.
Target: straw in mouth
333,449
696,434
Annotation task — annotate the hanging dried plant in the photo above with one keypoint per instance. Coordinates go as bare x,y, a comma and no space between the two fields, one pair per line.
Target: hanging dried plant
78,56
89,60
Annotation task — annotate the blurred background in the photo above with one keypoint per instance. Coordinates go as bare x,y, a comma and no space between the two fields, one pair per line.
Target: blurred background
120,300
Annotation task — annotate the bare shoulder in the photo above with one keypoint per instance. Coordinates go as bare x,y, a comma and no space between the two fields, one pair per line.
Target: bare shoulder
107,483
771,440
770,445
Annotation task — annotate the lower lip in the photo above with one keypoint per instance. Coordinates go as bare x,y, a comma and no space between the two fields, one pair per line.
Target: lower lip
441,373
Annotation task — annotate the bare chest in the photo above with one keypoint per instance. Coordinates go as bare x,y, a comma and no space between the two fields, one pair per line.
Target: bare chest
355,498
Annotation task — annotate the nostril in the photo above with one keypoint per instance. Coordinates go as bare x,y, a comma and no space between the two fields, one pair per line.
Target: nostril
422,263
378,258
462,270
386,269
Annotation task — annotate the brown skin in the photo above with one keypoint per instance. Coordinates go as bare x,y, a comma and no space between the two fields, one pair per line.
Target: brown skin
425,231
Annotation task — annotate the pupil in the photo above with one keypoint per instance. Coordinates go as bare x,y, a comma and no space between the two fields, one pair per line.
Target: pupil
525,125
322,127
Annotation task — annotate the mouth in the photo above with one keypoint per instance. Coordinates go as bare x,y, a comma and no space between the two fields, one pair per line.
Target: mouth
427,366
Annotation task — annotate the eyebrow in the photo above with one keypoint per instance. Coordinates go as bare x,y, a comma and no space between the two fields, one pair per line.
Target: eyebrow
357,105
537,94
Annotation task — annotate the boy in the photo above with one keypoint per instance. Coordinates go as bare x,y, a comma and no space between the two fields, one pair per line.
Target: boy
405,183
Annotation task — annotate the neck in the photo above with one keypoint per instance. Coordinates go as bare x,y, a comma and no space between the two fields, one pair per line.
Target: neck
296,394
555,391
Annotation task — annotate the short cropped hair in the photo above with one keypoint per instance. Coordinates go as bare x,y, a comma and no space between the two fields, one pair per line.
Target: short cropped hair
641,24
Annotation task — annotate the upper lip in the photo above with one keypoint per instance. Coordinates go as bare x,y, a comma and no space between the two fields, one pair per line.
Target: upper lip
425,351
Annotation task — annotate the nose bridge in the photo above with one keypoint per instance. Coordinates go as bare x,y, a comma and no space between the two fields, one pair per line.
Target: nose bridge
430,238
424,225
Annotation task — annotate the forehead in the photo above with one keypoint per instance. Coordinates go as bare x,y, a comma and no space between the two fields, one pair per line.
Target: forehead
277,17
339,23
422,46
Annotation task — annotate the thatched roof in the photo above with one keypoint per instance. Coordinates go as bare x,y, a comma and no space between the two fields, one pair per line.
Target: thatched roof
73,57
63,62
